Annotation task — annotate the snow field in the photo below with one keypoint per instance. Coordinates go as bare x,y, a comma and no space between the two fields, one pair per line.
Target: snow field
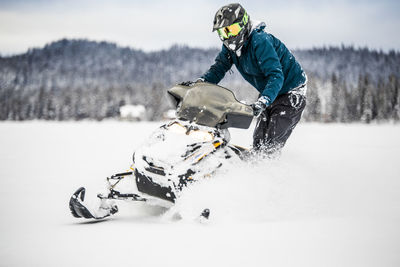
333,199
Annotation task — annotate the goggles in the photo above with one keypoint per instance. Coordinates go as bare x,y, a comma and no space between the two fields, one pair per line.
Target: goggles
233,29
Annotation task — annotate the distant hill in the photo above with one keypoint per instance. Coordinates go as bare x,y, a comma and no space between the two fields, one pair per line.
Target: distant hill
76,79
77,63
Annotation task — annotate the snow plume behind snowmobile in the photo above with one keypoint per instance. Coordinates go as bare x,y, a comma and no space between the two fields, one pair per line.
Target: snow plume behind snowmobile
185,150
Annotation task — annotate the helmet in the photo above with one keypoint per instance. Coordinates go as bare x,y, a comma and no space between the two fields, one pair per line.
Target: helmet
233,25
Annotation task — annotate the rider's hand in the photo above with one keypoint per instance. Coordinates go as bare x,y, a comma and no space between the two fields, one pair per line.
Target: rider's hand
191,83
260,105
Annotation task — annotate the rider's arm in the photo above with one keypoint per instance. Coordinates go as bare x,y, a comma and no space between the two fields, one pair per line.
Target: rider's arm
217,71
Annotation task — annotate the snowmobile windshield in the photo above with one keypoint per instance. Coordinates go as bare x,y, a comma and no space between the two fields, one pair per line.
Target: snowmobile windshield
210,105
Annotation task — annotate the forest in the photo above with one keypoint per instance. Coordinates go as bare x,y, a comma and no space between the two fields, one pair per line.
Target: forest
82,79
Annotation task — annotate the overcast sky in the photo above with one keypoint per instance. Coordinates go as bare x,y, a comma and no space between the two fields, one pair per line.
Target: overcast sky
154,24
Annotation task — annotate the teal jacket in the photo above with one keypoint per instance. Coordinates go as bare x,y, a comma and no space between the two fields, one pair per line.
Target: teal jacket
265,63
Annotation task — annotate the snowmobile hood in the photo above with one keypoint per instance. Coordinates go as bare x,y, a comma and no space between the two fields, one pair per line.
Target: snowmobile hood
210,105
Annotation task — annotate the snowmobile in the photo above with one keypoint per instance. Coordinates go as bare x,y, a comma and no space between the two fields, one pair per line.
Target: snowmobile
200,140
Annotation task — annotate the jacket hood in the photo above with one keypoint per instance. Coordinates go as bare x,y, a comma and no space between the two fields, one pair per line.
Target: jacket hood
257,25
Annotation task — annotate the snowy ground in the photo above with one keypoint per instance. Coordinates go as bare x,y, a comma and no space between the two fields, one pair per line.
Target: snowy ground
333,199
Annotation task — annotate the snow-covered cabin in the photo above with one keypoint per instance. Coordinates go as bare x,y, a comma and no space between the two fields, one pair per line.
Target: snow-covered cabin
132,112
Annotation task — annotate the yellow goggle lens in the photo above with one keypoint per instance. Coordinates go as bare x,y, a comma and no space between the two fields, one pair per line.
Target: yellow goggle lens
234,29
231,30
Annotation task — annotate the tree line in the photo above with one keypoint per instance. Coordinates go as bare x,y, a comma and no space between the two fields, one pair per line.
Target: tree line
335,100
80,79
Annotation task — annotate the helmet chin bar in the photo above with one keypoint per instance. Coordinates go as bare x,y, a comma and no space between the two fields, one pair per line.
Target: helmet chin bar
232,47
233,44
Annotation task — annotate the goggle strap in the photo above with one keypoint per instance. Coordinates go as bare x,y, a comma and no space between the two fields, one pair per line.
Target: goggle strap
245,18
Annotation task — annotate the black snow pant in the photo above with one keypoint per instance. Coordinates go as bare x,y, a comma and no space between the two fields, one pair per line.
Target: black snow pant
277,122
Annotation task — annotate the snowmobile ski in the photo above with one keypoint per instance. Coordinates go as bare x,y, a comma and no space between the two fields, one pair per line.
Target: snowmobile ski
79,210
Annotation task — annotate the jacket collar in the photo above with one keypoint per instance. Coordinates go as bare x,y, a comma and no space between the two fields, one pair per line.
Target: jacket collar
256,26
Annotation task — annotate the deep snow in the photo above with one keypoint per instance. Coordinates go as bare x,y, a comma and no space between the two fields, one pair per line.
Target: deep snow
333,199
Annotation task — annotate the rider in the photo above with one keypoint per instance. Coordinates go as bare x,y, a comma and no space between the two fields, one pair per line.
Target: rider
266,63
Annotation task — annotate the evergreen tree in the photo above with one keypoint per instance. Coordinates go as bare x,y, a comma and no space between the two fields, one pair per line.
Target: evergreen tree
395,87
343,103
334,99
313,110
367,100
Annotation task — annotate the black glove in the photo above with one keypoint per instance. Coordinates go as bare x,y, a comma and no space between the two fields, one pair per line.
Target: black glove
191,83
260,105
187,83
